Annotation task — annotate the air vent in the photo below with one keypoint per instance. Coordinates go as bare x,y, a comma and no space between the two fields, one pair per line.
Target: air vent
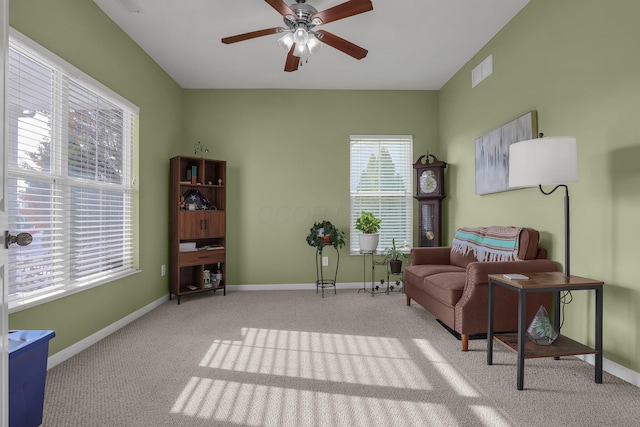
132,6
482,71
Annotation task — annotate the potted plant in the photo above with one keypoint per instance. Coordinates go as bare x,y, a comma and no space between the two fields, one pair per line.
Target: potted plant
369,225
393,255
324,233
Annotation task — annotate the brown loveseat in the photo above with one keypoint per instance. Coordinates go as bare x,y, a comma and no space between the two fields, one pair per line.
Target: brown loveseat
452,285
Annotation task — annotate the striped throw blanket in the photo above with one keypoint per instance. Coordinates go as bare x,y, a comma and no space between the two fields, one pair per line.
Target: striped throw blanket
488,243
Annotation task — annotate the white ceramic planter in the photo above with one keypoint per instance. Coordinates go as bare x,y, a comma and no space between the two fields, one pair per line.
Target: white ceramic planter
368,242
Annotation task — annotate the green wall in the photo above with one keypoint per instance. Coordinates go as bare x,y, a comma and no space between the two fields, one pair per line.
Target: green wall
288,167
79,32
575,62
284,172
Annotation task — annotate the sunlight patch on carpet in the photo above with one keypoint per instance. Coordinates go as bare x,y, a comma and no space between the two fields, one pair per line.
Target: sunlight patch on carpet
261,405
489,416
350,359
446,369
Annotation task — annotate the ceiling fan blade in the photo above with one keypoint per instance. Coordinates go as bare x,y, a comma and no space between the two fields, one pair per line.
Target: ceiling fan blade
251,35
292,61
281,7
344,10
343,45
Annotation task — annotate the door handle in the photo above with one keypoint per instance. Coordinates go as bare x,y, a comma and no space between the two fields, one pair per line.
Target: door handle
22,239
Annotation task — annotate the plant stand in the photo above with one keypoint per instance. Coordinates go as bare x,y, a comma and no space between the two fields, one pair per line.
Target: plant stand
382,287
321,282
399,283
375,289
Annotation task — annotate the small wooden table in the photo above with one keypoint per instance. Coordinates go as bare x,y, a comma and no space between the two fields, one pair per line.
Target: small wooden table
544,282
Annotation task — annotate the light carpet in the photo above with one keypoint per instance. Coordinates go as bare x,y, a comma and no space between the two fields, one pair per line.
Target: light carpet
292,358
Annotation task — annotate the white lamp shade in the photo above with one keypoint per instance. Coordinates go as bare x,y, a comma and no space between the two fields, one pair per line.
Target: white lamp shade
543,161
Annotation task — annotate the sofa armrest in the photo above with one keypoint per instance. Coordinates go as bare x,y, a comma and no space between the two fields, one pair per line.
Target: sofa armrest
439,255
477,272
471,309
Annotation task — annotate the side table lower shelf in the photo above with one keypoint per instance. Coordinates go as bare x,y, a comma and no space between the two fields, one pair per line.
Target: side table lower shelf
562,346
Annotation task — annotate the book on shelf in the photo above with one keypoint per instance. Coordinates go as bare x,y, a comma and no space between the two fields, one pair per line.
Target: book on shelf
211,247
514,276
187,246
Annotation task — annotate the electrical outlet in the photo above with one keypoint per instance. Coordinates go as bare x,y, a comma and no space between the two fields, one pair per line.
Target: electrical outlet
325,261
163,270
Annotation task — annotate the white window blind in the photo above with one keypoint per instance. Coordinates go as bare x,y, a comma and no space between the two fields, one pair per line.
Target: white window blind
69,177
381,171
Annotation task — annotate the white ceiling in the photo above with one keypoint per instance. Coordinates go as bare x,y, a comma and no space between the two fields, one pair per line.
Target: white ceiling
412,44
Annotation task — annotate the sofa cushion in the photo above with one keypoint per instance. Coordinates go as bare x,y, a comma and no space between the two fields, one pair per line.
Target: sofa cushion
528,248
445,287
417,273
461,260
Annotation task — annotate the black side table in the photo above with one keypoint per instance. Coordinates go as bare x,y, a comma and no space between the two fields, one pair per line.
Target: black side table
563,346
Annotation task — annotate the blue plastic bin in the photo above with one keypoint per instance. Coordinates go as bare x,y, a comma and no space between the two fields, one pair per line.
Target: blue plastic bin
28,352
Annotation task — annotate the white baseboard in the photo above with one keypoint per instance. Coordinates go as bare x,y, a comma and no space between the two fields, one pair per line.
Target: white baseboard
289,287
609,366
76,348
614,369
81,345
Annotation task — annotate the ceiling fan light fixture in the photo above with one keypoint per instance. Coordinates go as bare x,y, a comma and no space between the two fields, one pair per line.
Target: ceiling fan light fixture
286,41
301,36
301,50
313,44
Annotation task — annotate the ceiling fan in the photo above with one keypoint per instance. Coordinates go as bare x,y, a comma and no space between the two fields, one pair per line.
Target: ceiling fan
300,38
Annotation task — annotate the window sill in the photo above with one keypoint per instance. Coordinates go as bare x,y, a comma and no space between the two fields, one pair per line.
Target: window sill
26,303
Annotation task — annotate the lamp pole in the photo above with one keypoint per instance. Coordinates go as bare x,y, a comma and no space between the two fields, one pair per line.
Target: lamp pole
567,242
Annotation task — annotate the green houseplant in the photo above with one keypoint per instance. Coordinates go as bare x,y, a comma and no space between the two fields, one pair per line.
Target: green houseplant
369,225
393,255
324,233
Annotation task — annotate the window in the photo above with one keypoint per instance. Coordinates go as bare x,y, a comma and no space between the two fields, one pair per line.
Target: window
70,177
381,171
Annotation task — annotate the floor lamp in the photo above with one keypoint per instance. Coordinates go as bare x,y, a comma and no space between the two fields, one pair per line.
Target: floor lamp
546,161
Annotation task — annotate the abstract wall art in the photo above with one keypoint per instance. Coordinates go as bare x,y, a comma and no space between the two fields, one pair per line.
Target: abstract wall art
492,152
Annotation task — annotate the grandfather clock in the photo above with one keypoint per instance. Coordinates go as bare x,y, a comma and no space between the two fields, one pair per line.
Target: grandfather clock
429,193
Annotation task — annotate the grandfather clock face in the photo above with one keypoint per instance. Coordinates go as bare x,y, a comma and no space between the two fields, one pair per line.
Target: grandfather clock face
430,182
429,193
